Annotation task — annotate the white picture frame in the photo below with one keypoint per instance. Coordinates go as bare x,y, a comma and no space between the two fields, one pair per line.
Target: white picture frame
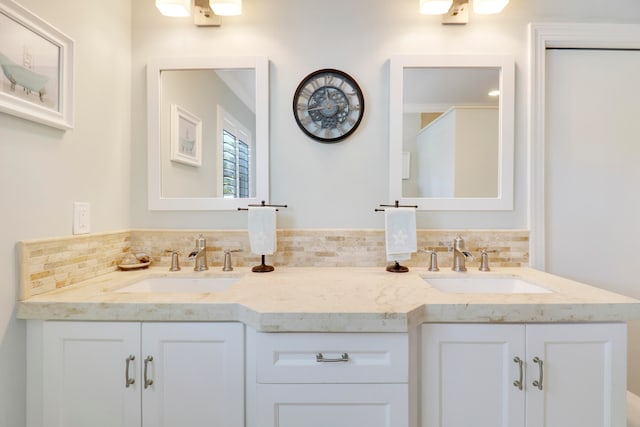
186,137
36,68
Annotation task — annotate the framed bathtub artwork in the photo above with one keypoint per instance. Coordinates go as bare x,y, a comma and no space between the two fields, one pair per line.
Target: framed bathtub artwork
36,68
186,137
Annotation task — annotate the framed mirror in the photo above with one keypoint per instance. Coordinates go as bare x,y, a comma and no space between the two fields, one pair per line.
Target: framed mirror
451,129
208,136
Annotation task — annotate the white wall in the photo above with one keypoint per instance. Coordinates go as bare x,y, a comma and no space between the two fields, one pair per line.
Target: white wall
44,170
477,151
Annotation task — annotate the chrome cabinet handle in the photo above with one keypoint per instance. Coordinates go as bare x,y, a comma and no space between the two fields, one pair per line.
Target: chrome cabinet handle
343,358
147,381
538,382
127,380
518,382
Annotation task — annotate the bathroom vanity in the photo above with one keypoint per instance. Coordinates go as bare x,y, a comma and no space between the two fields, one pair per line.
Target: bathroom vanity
337,346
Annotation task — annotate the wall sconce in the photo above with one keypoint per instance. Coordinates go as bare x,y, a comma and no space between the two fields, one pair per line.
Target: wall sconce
489,6
174,8
203,15
457,11
226,7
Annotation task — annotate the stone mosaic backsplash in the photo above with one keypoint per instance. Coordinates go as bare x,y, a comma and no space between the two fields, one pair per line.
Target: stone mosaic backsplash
49,264
55,263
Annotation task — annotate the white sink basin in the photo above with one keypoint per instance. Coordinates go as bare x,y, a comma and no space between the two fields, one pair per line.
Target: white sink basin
485,285
181,284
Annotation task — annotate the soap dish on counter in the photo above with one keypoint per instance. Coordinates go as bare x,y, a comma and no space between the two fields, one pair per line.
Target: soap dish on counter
134,266
133,262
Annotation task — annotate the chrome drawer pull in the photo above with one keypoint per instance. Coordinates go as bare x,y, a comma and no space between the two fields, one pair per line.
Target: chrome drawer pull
147,381
343,358
538,382
128,381
518,383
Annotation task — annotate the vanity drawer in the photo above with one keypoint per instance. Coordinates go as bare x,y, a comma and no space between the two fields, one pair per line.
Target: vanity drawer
332,358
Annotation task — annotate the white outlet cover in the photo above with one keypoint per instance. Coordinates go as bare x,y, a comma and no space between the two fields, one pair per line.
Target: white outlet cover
81,218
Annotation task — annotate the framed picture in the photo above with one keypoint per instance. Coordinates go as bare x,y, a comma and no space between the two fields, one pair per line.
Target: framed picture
186,137
36,68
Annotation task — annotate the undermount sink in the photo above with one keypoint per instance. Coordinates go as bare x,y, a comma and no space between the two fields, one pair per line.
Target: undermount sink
485,285
181,284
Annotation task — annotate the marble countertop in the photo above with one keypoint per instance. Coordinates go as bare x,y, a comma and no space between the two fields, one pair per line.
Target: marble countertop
330,300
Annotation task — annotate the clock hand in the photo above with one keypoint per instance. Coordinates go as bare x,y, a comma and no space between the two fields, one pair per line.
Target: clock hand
322,107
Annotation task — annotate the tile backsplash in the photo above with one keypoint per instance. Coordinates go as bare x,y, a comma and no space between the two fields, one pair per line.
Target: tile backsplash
49,264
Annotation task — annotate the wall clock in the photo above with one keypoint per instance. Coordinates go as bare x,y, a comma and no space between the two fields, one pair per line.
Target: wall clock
328,105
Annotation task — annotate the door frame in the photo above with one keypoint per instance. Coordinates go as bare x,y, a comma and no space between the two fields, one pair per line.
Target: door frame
541,37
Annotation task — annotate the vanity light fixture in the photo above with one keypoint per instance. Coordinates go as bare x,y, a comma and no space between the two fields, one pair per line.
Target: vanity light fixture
489,6
203,16
174,8
457,11
226,7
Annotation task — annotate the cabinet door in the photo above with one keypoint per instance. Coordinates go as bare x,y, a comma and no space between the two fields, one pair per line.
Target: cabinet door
83,376
338,405
197,372
468,375
583,376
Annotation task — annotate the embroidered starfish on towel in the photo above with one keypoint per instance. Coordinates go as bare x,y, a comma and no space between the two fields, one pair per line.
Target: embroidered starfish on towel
400,237
260,238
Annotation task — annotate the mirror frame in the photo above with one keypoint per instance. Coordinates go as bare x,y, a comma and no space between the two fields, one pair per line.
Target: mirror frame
506,66
154,68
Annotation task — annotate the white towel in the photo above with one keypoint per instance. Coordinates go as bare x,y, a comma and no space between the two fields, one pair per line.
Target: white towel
400,233
262,230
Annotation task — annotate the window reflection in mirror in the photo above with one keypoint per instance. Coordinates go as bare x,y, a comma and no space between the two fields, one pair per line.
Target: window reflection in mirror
208,132
224,101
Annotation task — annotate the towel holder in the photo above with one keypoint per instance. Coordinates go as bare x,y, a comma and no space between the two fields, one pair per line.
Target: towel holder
262,204
396,267
395,205
263,267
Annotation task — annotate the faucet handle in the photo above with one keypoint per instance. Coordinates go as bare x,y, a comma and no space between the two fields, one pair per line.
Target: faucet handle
484,259
433,259
201,242
175,261
227,259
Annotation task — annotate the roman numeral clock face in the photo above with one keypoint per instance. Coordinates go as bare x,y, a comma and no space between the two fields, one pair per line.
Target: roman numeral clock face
328,105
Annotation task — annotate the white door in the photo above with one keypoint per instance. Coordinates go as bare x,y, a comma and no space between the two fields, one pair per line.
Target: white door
469,374
197,370
84,374
592,170
332,405
579,373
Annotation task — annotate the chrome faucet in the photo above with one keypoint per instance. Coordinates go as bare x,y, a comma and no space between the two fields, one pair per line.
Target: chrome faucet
460,255
199,253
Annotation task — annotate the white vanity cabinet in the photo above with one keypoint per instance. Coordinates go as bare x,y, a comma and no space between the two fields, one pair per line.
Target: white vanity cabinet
131,374
328,379
534,375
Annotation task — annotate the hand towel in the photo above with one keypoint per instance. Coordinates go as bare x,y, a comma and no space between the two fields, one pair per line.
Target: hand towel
262,230
400,233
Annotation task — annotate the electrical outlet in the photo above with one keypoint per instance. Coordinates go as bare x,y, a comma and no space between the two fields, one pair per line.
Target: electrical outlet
81,218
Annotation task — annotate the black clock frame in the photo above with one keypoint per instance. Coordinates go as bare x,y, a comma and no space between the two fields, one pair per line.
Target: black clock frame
351,82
